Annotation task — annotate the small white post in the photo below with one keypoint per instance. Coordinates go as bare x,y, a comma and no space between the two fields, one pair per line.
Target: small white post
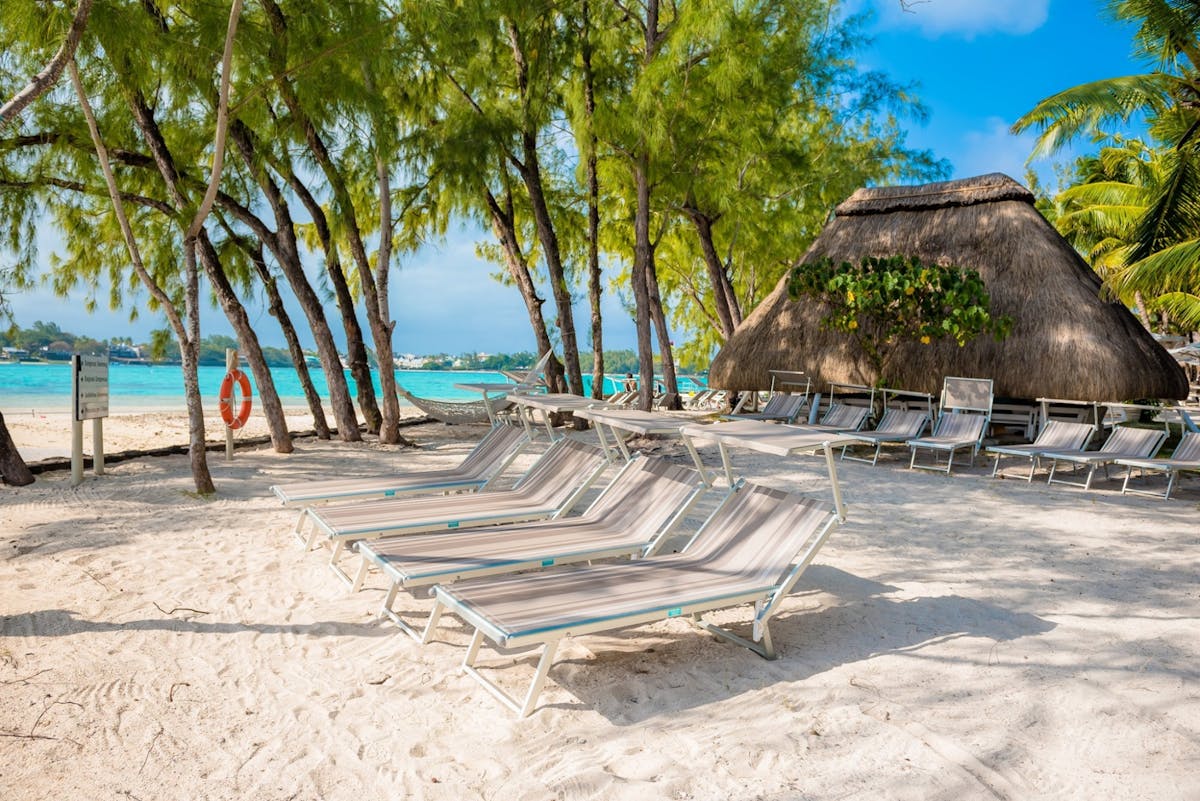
76,453
98,446
231,364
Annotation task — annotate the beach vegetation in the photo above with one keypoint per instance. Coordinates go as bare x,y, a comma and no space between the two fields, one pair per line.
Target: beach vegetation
688,151
1148,197
881,302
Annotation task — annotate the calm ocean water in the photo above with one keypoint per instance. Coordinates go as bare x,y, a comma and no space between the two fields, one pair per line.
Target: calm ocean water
47,386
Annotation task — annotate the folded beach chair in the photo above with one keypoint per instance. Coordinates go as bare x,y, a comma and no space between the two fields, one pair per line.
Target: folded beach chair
1123,443
533,379
1056,435
551,488
632,517
963,417
480,467
897,425
752,549
781,406
1185,458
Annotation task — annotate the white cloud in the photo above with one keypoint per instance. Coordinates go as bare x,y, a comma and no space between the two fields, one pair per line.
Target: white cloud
993,149
966,18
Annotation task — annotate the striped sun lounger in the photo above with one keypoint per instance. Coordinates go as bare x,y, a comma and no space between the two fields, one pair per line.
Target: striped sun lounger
1123,443
897,425
632,517
551,488
1185,458
751,550
481,466
1056,435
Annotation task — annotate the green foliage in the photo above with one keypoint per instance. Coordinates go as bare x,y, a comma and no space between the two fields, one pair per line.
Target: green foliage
1141,228
881,302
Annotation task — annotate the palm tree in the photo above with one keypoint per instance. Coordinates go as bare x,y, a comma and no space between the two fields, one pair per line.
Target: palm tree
1162,255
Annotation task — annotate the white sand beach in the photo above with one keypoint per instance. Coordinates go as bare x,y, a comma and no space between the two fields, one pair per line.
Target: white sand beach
959,638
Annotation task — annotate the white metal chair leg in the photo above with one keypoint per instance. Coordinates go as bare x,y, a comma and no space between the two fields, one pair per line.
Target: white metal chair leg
522,708
361,575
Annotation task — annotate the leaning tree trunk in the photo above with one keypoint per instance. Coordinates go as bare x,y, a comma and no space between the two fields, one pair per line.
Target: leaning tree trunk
277,310
664,335
281,439
642,254
504,227
593,211
13,469
716,272
287,253
189,356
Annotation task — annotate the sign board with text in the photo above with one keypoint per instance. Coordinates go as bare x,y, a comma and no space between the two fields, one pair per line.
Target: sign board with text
89,377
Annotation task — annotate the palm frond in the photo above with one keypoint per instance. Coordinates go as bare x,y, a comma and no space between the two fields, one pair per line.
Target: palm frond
1089,107
1172,269
1183,307
1174,214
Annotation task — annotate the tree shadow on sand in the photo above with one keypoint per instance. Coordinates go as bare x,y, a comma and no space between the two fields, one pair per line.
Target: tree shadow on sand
66,622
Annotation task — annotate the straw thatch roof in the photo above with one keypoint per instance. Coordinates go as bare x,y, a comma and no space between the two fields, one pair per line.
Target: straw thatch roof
1066,342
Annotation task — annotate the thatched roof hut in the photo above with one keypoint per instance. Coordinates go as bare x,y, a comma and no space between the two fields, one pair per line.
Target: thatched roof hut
1066,341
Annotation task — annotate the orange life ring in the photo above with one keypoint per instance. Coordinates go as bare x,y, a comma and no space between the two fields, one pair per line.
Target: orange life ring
243,414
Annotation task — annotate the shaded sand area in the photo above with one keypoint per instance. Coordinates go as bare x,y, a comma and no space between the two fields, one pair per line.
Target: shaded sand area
959,638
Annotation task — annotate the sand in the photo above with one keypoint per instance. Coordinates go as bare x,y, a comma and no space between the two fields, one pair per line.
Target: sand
959,638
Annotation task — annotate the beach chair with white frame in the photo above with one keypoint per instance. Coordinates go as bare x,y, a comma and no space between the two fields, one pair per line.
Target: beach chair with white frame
630,518
964,411
751,550
1185,458
550,489
1125,442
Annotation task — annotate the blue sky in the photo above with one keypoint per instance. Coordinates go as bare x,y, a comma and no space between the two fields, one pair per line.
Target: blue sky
976,64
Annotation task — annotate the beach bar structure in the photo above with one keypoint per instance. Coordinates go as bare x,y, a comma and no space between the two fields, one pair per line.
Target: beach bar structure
1068,341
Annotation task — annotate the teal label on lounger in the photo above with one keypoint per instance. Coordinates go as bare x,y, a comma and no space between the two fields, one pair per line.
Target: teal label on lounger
452,524
547,562
676,612
389,493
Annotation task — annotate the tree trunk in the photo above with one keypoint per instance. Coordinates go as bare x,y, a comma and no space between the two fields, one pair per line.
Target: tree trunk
529,168
355,349
13,469
287,253
504,227
277,310
593,202
189,356
641,293
281,439
664,335
186,326
716,271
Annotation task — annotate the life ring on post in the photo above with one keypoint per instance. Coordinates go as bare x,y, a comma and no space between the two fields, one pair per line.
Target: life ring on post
243,414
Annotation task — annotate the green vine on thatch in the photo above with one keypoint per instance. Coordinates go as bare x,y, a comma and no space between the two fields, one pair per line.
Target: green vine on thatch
881,302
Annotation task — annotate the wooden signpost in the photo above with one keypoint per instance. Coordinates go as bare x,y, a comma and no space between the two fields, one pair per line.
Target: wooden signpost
89,401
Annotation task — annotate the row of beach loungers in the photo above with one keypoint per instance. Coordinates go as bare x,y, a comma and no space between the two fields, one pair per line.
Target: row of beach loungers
492,556
964,414
476,547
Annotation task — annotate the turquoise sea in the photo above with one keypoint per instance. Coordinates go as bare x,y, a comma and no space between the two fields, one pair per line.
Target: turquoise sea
46,386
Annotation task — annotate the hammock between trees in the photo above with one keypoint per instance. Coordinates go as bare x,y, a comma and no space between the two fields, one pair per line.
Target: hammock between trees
454,412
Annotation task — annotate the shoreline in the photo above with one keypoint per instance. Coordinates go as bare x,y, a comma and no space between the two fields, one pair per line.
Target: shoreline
47,435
